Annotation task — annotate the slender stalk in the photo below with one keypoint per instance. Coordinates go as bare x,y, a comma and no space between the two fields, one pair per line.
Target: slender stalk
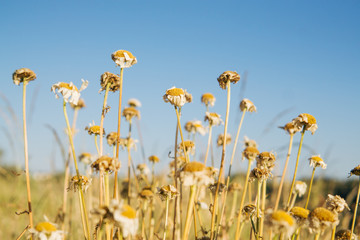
176,202
181,134
82,201
257,233
355,211
129,164
309,192
26,154
152,220
166,217
103,111
284,173
116,192
23,232
208,145
96,145
215,206
333,233
263,203
296,167
317,236
232,212
189,212
237,235
229,173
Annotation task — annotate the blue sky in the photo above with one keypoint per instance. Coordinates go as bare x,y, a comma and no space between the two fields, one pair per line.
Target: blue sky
298,56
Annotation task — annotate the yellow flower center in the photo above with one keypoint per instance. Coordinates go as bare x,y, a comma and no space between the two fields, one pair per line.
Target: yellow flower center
282,216
128,212
317,159
154,159
300,212
146,193
175,92
311,119
194,167
45,227
120,53
251,150
67,86
323,214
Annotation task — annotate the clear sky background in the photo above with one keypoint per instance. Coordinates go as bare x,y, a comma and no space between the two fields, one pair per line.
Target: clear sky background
297,56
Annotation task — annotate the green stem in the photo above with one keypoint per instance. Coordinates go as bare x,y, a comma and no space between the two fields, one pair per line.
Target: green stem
309,192
296,167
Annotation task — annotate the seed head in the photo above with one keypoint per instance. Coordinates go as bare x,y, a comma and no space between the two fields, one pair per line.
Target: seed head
336,203
300,188
355,171
247,105
167,191
23,75
227,76
291,128
106,163
250,153
109,78
220,140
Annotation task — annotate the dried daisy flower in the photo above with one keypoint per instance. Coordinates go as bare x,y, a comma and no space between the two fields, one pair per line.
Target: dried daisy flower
281,222
300,214
306,121
146,194
112,138
345,235
46,231
23,75
212,187
167,191
195,127
208,99
133,102
291,128
266,160
143,168
250,153
125,143
69,91
130,112
181,161
106,163
317,161
248,211
196,173
231,76
220,140
86,158
94,129
259,174
75,182
321,218
81,104
213,119
355,171
247,105
123,58
336,203
176,96
189,146
154,159
109,78
249,142
300,188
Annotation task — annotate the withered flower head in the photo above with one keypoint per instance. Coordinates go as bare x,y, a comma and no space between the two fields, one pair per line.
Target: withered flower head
127,142
189,146
259,174
106,163
235,186
317,161
345,235
291,128
247,105
213,119
86,158
213,186
250,153
123,58
109,78
220,139
130,112
177,96
69,91
94,129
300,214
143,168
231,76
266,160
208,99
154,159
81,104
112,138
336,203
146,193
196,173
167,192
76,182
23,75
195,127
300,188
133,102
249,142
281,222
306,121
321,218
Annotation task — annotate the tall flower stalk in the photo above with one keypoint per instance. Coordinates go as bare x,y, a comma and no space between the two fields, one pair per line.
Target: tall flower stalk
25,75
355,171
